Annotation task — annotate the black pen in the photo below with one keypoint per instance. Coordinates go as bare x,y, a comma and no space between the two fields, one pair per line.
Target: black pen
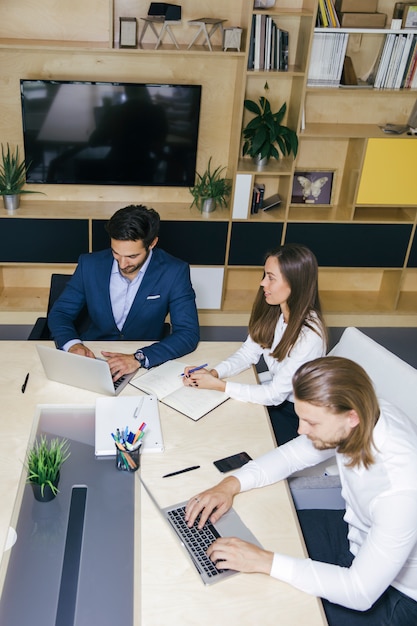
25,383
187,469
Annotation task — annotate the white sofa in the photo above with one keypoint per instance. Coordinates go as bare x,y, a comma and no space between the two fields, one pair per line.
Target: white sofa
394,381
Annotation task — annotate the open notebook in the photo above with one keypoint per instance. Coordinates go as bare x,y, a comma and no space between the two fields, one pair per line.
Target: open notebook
165,382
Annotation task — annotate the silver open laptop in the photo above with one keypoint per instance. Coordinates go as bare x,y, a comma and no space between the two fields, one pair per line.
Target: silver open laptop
80,371
197,541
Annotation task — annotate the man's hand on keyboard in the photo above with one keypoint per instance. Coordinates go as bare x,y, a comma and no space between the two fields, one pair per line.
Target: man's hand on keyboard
233,553
212,503
120,364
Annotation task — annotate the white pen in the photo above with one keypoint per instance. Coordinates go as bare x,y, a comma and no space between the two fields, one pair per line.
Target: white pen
136,412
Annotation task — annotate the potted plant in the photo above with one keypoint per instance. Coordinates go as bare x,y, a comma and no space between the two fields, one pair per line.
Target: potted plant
210,189
12,178
264,136
43,462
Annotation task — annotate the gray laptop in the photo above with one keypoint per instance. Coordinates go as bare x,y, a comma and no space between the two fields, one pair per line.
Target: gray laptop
197,541
80,371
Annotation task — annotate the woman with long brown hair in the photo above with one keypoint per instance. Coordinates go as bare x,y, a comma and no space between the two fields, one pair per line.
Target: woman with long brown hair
286,328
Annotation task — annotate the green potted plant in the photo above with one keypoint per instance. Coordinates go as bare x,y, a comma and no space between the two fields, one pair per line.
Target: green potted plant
211,189
12,178
264,136
43,462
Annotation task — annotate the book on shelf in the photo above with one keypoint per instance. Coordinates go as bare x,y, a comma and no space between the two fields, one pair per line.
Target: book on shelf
268,45
271,202
257,197
410,77
327,58
166,383
396,65
327,16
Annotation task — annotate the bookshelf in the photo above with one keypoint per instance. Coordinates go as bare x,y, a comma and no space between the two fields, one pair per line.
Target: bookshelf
360,283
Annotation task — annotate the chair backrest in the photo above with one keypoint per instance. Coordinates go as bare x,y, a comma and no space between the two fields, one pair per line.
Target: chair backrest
58,284
394,379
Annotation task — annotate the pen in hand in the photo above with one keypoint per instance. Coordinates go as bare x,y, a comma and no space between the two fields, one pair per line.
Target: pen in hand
195,369
25,383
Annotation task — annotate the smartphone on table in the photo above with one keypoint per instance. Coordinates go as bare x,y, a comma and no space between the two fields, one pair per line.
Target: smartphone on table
232,462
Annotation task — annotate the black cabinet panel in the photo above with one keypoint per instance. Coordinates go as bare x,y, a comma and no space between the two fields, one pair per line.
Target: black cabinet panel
42,240
353,245
412,261
198,243
251,241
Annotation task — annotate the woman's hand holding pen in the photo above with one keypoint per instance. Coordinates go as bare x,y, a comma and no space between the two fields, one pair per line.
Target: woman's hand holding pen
212,503
203,379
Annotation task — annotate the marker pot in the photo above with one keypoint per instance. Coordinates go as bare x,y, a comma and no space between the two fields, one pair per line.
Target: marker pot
127,460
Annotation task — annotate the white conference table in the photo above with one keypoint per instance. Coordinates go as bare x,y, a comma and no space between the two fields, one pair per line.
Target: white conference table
168,587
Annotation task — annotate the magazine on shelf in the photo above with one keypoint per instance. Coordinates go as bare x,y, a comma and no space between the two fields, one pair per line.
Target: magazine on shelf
166,383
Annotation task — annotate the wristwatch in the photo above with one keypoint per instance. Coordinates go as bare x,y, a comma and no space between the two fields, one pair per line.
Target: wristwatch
140,357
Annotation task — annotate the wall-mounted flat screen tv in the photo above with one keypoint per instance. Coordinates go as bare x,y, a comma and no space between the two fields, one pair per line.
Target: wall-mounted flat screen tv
108,133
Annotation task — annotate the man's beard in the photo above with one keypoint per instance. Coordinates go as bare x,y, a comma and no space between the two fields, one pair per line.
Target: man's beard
327,445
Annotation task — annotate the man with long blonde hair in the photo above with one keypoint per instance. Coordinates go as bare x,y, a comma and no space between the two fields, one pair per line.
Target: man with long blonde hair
363,561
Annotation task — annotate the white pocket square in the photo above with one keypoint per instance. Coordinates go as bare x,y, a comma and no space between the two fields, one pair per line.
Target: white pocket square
153,297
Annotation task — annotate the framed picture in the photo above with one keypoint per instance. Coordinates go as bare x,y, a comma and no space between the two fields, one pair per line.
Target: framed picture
312,187
410,16
128,32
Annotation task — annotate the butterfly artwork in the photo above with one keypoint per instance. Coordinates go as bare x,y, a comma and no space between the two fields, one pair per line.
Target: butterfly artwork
312,188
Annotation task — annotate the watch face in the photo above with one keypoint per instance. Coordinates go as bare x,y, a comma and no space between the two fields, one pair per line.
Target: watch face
139,356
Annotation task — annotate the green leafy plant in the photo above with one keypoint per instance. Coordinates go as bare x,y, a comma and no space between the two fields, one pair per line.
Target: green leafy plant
12,173
44,461
264,136
211,184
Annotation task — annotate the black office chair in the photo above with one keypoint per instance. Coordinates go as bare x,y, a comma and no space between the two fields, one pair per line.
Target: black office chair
40,329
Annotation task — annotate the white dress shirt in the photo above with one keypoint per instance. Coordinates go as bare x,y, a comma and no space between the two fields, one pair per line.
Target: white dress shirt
309,345
381,511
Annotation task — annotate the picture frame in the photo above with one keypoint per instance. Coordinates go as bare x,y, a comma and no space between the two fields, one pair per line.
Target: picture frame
313,187
410,16
128,32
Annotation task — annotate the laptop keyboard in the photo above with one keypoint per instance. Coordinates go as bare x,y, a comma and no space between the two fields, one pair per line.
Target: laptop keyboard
196,540
118,382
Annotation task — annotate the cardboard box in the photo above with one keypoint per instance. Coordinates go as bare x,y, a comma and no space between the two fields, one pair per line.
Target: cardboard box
356,6
362,20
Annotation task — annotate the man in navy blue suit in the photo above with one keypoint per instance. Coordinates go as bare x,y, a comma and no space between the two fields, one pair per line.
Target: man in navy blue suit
128,291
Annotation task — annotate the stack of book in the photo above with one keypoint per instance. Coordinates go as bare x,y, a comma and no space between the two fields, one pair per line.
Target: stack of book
268,48
326,59
259,203
326,15
397,63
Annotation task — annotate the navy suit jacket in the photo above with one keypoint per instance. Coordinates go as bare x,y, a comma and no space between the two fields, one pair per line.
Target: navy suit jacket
165,288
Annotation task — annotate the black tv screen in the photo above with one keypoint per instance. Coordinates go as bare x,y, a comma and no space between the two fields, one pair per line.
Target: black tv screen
107,133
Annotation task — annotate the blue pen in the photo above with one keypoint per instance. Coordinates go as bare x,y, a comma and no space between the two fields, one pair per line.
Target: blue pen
194,369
